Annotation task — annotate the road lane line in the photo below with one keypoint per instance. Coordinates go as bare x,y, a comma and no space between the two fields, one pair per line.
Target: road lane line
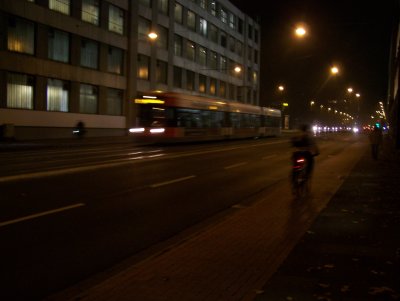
171,182
119,162
28,217
235,165
269,157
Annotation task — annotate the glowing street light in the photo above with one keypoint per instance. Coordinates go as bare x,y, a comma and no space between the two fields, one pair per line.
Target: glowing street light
334,70
300,31
152,35
281,88
237,69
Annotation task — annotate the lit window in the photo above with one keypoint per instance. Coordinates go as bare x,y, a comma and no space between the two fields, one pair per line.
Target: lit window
213,86
203,27
19,91
88,99
90,11
21,36
57,95
115,19
62,6
143,67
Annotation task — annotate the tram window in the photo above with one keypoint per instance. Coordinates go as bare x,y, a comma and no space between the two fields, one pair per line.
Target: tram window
235,119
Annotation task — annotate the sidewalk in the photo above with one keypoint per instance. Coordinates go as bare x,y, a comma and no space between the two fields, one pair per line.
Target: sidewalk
350,252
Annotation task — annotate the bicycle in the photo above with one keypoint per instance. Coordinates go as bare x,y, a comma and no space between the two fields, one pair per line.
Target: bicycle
300,186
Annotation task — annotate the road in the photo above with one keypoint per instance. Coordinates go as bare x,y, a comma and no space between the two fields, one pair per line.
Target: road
67,214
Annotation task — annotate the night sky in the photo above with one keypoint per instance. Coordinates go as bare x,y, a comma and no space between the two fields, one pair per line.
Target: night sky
355,35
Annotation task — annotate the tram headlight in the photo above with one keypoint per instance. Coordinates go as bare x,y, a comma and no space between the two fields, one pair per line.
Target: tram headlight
136,130
157,130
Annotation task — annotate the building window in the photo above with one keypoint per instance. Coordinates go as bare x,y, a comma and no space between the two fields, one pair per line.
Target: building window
162,39
203,4
223,39
163,6
223,15
231,43
90,11
213,33
161,72
250,32
212,7
62,6
255,56
88,99
57,95
191,20
114,102
178,45
143,67
189,80
202,58
89,54
58,46
143,29
178,12
240,26
231,18
146,3
177,77
115,60
249,53
222,89
239,48
213,86
115,19
202,83
223,64
190,50
212,60
203,27
20,91
21,36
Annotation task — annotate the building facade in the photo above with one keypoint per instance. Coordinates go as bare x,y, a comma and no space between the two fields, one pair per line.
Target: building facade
65,61
392,104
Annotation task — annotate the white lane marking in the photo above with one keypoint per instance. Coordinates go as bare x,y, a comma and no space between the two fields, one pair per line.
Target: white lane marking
172,181
269,157
235,165
119,162
49,173
28,217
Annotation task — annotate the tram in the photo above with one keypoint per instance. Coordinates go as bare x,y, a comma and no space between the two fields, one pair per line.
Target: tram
175,117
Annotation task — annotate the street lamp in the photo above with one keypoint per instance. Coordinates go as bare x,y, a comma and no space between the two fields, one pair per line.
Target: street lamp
300,31
334,70
152,35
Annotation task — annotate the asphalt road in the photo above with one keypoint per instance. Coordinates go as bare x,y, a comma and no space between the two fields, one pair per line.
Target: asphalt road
66,214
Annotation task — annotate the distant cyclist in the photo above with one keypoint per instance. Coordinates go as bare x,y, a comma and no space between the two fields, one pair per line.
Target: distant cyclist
306,145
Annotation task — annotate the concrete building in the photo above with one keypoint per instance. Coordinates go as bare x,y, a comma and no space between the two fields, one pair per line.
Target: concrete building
65,61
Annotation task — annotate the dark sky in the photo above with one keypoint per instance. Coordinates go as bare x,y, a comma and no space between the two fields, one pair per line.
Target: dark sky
355,35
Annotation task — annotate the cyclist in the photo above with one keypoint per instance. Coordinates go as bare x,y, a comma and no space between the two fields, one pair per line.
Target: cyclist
306,145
